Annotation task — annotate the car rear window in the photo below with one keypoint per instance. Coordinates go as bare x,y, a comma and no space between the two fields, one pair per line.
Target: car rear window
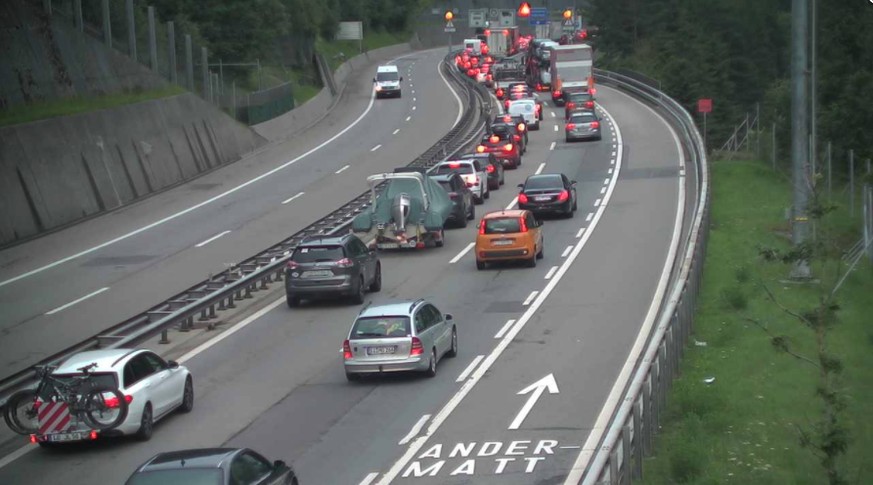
502,225
101,379
446,168
582,118
547,182
315,254
185,476
385,326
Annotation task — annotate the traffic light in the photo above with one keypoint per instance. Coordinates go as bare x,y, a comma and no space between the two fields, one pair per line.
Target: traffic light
524,10
568,14
449,15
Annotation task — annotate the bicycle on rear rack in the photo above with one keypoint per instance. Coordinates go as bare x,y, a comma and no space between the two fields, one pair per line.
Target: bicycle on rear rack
99,406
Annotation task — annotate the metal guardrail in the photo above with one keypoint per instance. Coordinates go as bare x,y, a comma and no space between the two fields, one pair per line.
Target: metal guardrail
243,280
618,457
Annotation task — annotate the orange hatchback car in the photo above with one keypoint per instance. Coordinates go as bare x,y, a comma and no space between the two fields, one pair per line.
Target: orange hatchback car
510,235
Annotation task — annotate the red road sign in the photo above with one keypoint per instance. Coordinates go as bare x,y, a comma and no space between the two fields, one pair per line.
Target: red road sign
53,417
704,105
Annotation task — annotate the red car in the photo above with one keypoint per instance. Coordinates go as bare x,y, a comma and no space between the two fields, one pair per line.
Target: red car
507,151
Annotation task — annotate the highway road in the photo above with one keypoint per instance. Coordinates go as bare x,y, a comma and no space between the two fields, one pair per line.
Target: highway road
69,285
561,331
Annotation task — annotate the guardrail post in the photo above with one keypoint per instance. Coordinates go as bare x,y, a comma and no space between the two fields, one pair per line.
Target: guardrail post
203,316
248,291
625,454
211,311
648,426
164,337
230,299
614,477
264,282
637,471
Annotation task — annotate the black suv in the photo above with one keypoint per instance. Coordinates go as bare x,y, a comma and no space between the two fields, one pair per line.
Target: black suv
332,265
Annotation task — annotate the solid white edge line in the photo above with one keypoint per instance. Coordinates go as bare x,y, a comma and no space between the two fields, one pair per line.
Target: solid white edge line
468,370
16,455
207,201
345,167
505,328
462,253
369,478
416,428
567,251
512,204
614,396
469,384
80,300
531,297
540,168
213,238
551,272
299,194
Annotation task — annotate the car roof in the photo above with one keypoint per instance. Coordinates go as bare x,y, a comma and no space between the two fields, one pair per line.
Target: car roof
321,240
544,176
504,213
398,307
105,359
194,458
448,162
386,69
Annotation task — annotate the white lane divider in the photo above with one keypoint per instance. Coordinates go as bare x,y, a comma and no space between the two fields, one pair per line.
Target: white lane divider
551,272
413,108
416,428
408,118
567,251
540,168
552,113
552,146
213,238
597,203
462,253
369,478
346,167
376,147
512,204
414,99
505,328
610,170
530,298
299,194
468,370
556,127
580,232
606,182
589,217
396,131
603,190
80,300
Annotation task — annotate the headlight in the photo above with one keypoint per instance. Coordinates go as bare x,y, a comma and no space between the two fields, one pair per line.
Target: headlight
378,88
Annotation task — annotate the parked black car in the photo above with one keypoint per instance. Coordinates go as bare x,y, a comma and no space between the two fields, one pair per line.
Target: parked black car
463,208
332,265
548,193
218,466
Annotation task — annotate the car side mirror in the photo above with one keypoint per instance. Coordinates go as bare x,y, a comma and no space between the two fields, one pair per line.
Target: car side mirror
173,364
573,183
521,186
449,317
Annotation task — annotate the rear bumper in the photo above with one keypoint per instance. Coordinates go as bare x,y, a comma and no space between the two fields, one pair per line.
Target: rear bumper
405,365
583,136
336,286
503,254
556,208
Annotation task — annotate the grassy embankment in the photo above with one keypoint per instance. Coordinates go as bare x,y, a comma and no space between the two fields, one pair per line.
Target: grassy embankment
743,428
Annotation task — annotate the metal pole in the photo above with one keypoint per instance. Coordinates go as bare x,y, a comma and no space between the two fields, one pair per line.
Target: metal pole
171,40
233,96
812,163
813,152
131,29
757,129
107,25
852,182
189,63
221,74
204,59
799,114
153,41
77,12
773,146
259,75
830,175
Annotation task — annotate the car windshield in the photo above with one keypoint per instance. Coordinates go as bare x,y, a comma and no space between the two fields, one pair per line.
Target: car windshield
187,476
502,225
582,118
387,76
544,182
315,254
384,326
462,168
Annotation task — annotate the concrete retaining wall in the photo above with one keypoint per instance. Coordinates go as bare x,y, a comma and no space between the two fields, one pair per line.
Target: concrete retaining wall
57,171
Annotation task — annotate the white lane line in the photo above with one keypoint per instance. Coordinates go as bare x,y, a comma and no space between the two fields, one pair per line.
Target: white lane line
612,162
556,127
589,217
606,182
505,328
346,167
396,131
597,203
412,451
602,190
610,171
413,108
414,99
375,148
413,91
552,146
462,253
80,300
468,370
299,194
580,232
16,455
416,428
207,201
552,113
213,238
552,272
569,248
369,478
530,298
512,204
408,118
540,168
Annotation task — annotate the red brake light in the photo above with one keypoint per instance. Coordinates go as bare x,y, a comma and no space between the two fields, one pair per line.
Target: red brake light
454,165
564,195
595,124
521,127
538,107
539,87
490,168
506,104
499,92
508,147
571,105
522,223
417,348
494,139
480,149
33,438
593,91
112,402
589,104
571,126
482,226
347,350
489,77
93,434
522,199
344,263
487,32
516,137
556,93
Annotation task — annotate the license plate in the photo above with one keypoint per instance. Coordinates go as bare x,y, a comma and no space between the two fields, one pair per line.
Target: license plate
389,245
543,198
502,242
62,437
317,274
385,350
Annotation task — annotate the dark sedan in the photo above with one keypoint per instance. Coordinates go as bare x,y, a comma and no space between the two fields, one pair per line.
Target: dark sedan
508,131
507,151
493,165
212,466
577,100
463,209
548,193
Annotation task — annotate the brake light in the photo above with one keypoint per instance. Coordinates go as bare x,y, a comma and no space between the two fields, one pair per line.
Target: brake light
564,195
523,224
471,72
344,263
500,92
593,91
480,149
93,434
571,126
487,32
467,65
538,107
508,147
595,124
506,104
347,350
454,165
522,199
33,438
516,137
293,265
112,402
521,127
539,87
417,348
482,226
494,139
571,105
589,104
490,169
556,93
489,77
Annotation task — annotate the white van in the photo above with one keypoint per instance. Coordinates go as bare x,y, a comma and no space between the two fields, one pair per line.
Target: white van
387,81
474,45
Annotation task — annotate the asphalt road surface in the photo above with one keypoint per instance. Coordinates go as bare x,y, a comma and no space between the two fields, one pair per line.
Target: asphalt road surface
561,331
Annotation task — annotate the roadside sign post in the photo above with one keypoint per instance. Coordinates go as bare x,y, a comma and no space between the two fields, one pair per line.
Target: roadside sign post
450,27
704,106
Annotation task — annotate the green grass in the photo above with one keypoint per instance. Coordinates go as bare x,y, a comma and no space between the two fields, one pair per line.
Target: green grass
743,427
350,48
70,106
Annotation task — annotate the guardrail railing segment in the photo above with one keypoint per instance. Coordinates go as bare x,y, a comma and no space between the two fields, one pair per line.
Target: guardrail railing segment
220,292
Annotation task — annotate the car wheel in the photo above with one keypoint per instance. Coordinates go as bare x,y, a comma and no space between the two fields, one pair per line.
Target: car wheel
463,219
518,163
532,262
376,286
481,264
442,239
187,397
453,351
487,194
358,292
292,301
574,206
352,377
431,367
146,424
566,139
478,200
502,177
472,212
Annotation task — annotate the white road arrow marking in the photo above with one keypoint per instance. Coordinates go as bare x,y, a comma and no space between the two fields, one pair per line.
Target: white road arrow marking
536,389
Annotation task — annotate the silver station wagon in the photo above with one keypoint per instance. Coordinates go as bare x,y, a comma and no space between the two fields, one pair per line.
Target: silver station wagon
399,337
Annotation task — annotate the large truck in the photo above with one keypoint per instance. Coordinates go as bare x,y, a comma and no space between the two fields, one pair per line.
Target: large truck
572,69
504,73
502,41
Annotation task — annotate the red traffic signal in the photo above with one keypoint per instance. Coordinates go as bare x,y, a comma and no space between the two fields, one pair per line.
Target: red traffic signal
524,10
